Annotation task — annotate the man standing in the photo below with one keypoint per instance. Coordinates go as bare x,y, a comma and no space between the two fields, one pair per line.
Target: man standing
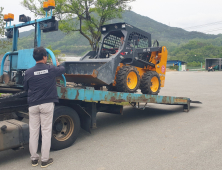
40,82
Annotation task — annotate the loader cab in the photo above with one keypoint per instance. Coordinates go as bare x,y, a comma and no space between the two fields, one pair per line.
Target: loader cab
121,37
112,43
113,40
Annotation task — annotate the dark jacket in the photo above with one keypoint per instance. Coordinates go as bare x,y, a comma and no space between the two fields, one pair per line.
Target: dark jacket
40,82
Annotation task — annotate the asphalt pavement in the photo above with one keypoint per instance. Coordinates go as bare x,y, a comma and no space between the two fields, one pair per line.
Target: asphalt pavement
162,137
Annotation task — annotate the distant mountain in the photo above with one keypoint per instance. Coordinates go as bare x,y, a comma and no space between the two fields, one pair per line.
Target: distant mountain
26,33
161,31
76,44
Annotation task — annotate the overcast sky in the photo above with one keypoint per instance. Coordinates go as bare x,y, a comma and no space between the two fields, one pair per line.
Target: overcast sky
193,15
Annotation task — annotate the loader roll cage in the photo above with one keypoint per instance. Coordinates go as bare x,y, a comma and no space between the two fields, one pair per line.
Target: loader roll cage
111,44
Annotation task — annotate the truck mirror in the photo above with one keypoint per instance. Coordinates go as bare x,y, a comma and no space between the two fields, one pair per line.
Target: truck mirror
9,33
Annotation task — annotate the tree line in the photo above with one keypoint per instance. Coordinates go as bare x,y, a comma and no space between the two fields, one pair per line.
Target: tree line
196,51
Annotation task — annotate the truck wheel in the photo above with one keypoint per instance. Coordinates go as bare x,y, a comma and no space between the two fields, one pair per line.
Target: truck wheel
65,127
127,79
150,83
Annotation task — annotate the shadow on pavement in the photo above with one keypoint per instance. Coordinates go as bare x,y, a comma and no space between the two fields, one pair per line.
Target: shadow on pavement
10,155
131,115
134,115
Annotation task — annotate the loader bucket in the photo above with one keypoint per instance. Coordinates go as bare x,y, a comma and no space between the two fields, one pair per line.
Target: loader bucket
93,72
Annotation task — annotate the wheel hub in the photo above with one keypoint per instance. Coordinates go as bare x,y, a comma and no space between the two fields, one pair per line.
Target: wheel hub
59,126
154,84
63,128
132,80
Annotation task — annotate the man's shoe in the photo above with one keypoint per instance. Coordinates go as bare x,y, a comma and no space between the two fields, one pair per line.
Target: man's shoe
47,163
35,162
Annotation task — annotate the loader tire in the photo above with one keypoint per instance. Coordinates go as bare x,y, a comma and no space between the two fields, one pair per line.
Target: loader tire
150,83
127,79
65,127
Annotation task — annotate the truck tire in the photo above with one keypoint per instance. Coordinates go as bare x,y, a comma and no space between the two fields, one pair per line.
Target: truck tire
150,83
127,79
65,127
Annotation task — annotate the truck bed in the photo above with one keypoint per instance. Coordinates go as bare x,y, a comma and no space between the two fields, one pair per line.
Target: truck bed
69,93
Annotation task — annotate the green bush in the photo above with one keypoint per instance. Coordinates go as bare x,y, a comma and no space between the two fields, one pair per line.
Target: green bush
194,64
174,67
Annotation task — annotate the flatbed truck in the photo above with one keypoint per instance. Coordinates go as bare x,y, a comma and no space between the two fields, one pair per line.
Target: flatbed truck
77,108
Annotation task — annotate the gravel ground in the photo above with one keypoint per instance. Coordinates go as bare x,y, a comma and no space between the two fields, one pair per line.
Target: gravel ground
162,137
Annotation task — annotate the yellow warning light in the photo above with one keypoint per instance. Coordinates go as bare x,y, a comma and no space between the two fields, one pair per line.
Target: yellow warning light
6,17
9,17
51,4
45,6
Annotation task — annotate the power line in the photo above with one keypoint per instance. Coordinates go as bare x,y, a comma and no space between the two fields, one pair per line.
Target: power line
205,25
204,32
213,30
213,23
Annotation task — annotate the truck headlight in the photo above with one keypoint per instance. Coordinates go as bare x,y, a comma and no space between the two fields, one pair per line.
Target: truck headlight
104,29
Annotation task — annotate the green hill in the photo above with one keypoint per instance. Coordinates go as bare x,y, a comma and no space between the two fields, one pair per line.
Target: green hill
195,52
